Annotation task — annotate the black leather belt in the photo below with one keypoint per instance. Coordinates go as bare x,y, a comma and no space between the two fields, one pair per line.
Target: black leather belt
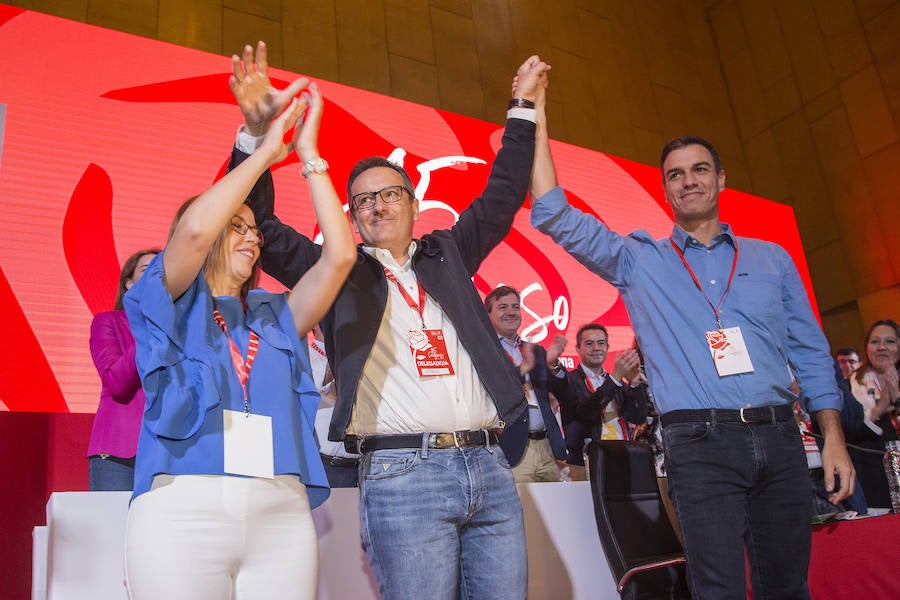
435,441
751,416
339,461
538,434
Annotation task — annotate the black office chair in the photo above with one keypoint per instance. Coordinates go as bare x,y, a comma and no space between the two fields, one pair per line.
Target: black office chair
643,551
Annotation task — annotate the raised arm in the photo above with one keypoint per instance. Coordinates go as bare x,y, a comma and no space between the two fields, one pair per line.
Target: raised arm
316,290
489,218
204,219
543,173
287,254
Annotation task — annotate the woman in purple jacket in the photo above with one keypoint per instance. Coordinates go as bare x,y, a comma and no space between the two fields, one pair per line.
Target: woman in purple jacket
117,422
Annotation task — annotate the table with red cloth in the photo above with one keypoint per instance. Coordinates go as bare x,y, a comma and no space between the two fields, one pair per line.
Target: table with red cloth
856,559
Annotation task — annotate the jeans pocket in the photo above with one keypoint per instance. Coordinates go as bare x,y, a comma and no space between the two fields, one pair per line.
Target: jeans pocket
383,464
680,434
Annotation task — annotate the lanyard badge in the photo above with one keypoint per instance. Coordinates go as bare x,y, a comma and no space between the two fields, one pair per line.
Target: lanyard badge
428,346
726,346
248,446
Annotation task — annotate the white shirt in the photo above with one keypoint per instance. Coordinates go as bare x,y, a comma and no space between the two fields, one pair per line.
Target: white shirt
319,364
391,396
612,423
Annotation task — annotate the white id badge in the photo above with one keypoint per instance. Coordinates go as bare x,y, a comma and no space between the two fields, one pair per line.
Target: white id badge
248,444
729,352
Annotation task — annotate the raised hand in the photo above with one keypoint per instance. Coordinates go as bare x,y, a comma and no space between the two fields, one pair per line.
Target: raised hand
889,382
556,349
528,360
306,135
273,145
531,80
627,365
260,102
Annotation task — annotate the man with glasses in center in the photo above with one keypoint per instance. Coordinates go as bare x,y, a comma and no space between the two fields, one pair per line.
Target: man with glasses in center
422,382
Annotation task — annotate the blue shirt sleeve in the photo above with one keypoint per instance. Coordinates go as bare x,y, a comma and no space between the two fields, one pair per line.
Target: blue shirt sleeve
180,389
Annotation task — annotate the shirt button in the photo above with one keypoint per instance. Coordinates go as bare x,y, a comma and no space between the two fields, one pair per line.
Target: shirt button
712,281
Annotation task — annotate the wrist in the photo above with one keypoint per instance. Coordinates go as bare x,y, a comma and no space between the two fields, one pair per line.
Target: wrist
258,130
307,154
521,102
317,165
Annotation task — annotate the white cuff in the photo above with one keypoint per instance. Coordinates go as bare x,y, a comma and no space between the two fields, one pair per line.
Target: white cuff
245,142
871,425
521,113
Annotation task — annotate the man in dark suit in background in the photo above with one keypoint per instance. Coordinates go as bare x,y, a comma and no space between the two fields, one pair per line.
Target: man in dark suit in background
596,404
533,442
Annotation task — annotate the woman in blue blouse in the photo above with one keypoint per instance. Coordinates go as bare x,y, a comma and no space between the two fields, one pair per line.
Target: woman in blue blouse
227,467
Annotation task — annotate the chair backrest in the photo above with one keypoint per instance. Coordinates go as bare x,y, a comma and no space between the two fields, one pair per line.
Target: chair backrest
640,544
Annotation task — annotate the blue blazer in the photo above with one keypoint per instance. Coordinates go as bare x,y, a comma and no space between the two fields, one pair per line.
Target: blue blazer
515,436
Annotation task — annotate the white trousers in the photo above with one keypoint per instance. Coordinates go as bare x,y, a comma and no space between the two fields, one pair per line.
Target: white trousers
215,537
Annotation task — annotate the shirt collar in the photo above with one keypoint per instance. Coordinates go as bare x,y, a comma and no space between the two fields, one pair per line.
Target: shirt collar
387,259
591,373
682,239
510,344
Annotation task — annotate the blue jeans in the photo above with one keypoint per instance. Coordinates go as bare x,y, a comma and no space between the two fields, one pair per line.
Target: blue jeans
735,485
443,524
110,474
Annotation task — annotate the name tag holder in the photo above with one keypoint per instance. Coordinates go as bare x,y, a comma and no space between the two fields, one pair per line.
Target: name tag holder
727,347
428,346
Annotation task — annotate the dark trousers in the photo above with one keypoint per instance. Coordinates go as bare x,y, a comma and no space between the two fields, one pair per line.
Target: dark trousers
735,486
110,474
342,475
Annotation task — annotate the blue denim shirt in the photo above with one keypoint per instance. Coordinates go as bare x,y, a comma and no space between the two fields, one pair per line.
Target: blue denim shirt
185,365
671,316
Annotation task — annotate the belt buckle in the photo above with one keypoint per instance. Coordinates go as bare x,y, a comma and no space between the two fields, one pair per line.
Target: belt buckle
744,419
456,439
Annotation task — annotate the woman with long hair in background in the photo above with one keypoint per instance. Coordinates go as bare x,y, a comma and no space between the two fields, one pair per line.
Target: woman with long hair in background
114,434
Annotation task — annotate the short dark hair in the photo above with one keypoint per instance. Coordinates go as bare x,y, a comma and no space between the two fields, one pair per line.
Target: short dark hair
685,141
499,292
589,327
373,162
846,351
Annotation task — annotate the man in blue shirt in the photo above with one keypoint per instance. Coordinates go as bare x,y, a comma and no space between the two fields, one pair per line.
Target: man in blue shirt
726,321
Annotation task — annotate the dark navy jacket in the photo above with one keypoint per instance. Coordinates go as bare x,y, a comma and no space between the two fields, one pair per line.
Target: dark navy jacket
445,262
582,410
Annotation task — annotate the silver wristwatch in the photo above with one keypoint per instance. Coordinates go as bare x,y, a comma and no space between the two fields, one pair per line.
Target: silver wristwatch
316,165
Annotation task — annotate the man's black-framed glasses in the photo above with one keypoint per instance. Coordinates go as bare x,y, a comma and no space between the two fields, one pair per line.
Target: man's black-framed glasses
389,195
241,227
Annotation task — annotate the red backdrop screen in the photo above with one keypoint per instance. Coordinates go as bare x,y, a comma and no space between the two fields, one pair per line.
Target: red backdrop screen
103,135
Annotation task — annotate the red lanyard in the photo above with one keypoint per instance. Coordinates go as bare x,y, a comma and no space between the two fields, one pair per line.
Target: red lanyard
715,307
589,383
420,307
321,352
241,366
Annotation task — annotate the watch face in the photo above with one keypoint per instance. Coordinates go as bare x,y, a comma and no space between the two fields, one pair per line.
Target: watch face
317,165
